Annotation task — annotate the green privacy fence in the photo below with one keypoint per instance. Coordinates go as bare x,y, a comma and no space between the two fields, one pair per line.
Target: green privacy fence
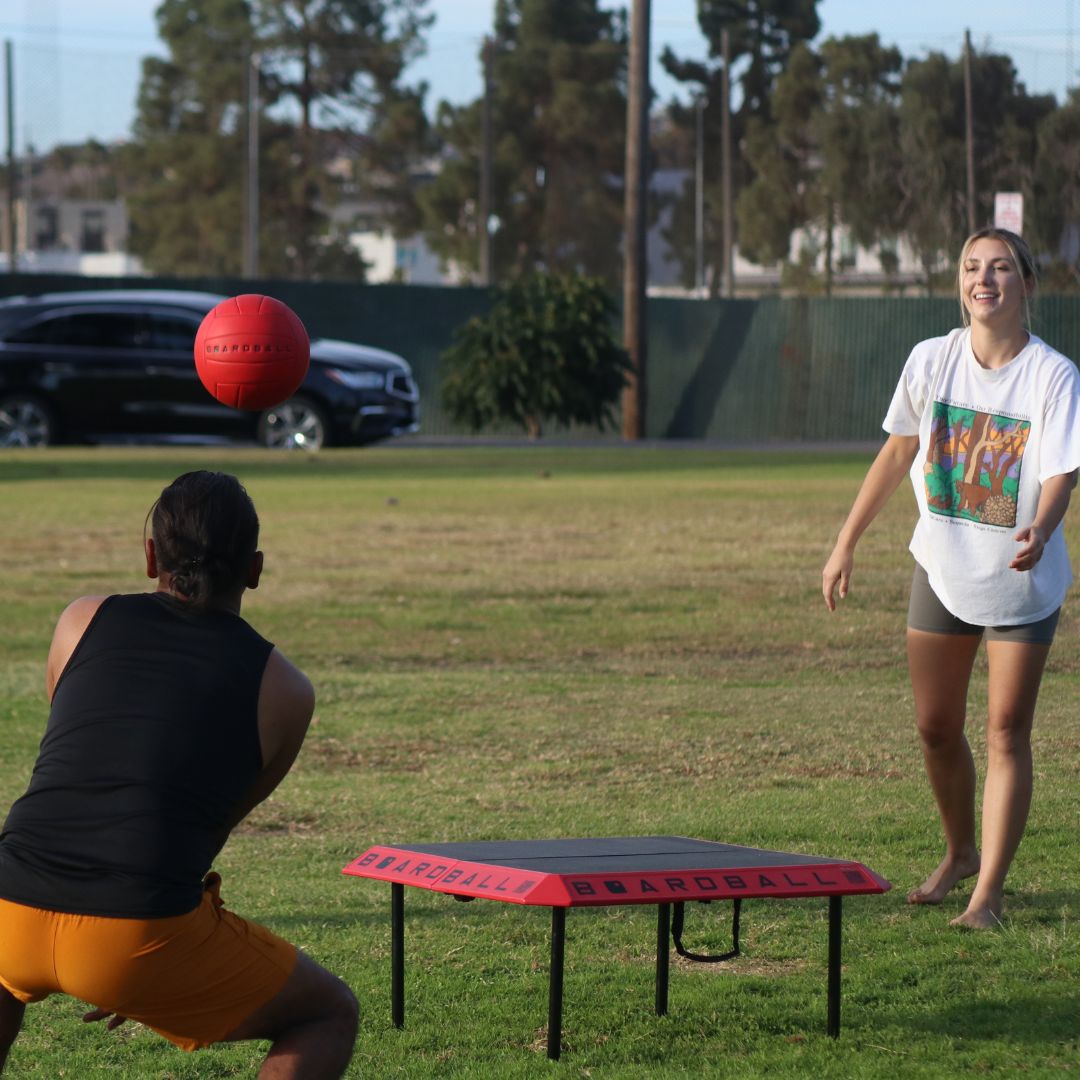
791,369
737,371
761,370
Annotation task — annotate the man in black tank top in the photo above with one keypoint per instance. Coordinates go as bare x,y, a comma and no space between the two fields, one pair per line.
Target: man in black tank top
171,719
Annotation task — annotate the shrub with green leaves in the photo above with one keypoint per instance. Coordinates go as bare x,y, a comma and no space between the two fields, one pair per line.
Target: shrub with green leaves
545,353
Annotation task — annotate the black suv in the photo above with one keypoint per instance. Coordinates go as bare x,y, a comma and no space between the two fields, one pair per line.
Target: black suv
77,366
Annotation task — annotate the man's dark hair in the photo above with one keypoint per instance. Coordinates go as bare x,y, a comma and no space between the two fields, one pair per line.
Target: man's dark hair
205,532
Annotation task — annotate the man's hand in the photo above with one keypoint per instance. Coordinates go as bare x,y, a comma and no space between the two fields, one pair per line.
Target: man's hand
104,1014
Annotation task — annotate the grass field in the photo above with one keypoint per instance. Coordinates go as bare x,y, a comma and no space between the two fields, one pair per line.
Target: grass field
538,642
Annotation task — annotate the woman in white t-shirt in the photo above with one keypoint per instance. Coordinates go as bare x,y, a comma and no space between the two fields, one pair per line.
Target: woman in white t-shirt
986,420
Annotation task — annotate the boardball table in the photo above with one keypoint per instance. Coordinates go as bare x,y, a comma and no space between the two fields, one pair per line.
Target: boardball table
666,871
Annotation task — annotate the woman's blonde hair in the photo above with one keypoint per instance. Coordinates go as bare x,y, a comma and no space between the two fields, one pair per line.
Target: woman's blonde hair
1022,259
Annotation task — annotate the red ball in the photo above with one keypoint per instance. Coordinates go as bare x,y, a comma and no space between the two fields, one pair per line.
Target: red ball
252,352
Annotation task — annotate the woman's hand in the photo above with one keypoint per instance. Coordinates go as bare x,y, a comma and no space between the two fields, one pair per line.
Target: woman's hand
1034,543
837,572
1053,502
890,466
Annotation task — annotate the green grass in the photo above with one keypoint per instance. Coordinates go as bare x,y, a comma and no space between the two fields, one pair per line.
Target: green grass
537,642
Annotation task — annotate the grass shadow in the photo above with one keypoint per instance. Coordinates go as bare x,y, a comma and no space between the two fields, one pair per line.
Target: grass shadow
1028,1018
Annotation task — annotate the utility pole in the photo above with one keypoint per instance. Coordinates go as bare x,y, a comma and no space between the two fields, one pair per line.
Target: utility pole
485,209
1068,47
251,217
635,183
699,199
12,236
725,178
969,134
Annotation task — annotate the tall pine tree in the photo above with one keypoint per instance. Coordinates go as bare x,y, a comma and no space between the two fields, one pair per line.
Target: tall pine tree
763,35
330,86
558,119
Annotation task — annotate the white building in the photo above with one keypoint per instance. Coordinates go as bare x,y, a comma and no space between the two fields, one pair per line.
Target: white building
70,236
406,261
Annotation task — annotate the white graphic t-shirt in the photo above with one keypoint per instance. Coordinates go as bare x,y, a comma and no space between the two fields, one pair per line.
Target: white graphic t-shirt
988,439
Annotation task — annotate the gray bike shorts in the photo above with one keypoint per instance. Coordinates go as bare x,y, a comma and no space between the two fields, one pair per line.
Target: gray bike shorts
927,613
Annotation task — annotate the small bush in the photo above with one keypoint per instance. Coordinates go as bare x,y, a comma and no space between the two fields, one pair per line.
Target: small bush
545,353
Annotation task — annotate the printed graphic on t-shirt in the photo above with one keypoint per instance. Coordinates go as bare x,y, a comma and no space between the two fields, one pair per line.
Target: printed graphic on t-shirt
972,469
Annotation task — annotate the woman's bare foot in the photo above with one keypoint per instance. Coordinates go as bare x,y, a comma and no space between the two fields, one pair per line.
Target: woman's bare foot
983,910
938,885
980,918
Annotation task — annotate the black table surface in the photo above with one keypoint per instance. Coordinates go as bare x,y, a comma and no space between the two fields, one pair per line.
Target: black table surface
627,854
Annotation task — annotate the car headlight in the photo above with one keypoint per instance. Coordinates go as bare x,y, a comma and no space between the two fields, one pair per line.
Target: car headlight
358,380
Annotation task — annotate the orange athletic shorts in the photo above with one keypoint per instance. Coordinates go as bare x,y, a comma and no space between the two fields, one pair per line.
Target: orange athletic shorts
192,978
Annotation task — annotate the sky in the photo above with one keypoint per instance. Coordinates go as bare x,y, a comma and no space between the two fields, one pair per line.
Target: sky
77,63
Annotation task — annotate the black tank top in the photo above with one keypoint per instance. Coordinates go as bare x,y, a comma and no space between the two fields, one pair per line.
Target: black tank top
151,743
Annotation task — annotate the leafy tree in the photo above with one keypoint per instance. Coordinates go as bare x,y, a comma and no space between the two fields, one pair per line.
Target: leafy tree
326,65
398,134
932,175
88,170
186,198
340,61
858,129
546,352
1006,123
763,35
829,155
1056,210
932,143
558,118
765,32
783,155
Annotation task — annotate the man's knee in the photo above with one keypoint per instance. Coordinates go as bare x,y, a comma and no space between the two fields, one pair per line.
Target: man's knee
311,995
330,996
342,1005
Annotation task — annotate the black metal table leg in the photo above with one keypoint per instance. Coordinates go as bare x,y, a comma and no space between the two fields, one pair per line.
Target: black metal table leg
555,982
663,949
397,953
835,913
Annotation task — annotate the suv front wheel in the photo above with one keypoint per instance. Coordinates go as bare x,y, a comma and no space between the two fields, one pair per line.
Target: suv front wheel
296,424
25,421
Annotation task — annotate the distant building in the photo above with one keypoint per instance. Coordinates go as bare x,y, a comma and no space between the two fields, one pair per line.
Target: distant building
856,271
388,258
70,236
407,260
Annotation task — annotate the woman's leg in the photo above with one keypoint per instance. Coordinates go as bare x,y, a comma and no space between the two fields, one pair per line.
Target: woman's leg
1015,674
940,666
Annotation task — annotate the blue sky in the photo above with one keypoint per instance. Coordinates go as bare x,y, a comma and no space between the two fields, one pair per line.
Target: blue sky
77,62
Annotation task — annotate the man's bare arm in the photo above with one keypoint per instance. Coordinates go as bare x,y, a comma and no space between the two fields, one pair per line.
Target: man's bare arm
286,705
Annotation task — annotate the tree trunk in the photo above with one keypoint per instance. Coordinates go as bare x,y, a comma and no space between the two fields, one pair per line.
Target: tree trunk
977,443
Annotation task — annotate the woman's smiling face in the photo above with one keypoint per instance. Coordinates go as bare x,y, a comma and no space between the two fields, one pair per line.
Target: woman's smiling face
991,286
